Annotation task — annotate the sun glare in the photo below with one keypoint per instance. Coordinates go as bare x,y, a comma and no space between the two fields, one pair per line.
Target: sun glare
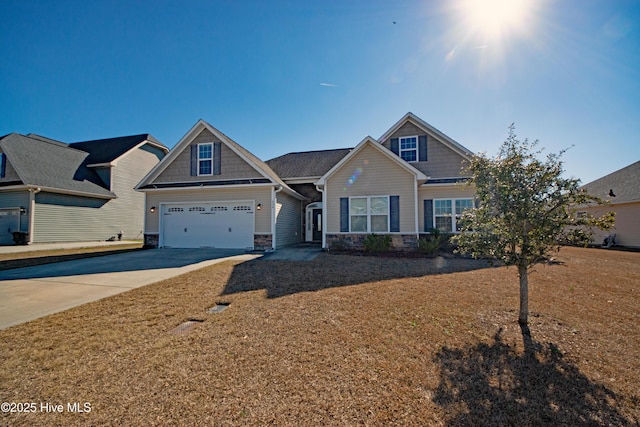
493,19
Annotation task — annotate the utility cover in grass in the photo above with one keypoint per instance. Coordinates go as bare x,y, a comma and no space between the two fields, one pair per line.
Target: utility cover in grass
221,306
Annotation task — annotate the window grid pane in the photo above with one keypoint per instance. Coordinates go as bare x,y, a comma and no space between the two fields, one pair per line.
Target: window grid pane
359,223
205,167
358,206
379,223
379,205
205,151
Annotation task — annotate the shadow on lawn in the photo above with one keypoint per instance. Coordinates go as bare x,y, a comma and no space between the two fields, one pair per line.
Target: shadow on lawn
493,384
281,278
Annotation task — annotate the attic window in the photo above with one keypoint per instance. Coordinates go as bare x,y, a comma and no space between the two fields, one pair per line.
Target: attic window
409,148
205,159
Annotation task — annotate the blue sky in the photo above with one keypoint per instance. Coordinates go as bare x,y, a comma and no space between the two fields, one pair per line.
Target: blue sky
282,76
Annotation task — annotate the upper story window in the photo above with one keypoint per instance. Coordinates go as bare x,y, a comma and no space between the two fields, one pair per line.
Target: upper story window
205,159
409,148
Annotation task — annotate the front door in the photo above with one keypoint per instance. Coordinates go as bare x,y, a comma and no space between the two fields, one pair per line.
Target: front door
317,224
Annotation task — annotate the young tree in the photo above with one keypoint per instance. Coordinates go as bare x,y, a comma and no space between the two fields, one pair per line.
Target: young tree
526,210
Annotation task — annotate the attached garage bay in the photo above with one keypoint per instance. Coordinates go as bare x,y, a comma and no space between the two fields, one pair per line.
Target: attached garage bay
228,225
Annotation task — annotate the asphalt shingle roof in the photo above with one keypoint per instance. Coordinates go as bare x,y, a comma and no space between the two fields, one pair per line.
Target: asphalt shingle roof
44,162
625,184
107,150
307,163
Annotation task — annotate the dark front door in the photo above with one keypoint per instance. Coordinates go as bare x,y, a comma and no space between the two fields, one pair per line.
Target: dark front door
317,224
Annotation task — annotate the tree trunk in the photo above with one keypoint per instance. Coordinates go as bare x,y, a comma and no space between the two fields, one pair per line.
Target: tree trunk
523,319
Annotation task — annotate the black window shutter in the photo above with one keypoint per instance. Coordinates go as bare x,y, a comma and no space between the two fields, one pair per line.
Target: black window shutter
3,165
394,221
194,160
394,146
217,148
428,215
422,148
344,214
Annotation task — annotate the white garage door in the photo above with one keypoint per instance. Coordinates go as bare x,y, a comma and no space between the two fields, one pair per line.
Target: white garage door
9,222
214,225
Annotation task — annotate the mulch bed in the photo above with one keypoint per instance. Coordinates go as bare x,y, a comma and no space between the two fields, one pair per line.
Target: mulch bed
343,340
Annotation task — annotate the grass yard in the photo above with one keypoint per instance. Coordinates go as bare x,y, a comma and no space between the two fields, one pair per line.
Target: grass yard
342,340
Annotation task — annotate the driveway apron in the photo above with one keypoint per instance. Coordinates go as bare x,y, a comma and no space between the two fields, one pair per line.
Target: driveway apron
33,292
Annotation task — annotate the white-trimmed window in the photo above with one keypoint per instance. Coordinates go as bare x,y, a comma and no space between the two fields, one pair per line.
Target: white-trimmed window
205,159
447,213
369,214
409,148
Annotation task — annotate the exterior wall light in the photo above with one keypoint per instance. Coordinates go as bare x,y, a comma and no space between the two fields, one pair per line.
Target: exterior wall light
259,206
153,209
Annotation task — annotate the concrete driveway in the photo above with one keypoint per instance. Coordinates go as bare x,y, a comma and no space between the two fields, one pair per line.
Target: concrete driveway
33,292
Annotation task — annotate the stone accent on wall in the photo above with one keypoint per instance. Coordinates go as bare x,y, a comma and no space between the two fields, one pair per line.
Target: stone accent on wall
262,242
150,241
399,242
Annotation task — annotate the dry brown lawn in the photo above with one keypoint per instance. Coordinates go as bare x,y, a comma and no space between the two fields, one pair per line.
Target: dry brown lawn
343,340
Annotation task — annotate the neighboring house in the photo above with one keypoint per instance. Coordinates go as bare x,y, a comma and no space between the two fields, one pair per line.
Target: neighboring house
58,192
211,192
622,189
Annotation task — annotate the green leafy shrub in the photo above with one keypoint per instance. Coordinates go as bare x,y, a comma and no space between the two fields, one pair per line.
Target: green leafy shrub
435,242
377,243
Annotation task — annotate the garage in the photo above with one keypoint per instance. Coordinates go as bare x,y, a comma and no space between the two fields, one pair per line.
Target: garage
9,222
228,225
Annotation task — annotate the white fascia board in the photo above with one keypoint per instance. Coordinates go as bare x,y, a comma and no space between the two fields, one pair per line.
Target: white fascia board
204,187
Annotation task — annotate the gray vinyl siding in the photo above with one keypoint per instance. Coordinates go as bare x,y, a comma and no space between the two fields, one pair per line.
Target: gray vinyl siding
288,220
66,218
443,162
232,165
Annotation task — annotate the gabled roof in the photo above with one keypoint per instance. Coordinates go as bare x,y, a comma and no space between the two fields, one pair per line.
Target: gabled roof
412,118
52,165
261,167
109,149
624,183
307,164
55,166
375,144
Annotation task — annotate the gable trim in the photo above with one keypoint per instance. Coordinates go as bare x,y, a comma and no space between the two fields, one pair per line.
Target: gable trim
375,144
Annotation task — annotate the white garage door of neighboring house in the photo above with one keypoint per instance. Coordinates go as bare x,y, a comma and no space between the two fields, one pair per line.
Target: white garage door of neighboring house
9,222
215,225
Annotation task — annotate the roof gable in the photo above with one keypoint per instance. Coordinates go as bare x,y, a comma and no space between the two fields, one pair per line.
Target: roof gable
44,163
109,149
427,128
254,162
624,183
369,141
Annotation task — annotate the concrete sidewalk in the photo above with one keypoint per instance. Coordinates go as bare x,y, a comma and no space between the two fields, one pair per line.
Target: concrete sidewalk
63,245
33,292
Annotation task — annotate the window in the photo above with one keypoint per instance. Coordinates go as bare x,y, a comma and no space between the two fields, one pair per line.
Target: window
409,148
461,206
447,213
369,214
205,159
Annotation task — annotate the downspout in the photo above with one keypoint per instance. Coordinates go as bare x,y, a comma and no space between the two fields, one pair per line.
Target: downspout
274,199
324,215
32,211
